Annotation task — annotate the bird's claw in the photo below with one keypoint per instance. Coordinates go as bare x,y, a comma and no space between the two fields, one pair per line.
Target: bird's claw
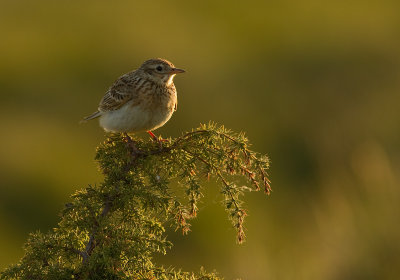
134,151
159,140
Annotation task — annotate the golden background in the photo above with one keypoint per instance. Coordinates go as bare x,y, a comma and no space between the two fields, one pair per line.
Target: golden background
314,84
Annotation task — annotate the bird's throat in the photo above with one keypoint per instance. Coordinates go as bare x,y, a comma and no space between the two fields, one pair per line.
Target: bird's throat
170,80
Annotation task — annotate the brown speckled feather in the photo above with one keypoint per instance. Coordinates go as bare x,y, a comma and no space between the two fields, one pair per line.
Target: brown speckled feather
176,105
123,90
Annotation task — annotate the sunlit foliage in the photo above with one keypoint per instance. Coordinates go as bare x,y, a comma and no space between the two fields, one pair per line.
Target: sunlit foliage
112,230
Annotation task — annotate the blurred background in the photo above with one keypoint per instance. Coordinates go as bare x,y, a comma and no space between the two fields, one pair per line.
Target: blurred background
314,84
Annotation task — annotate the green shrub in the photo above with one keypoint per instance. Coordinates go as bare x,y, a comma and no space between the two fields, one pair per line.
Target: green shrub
112,230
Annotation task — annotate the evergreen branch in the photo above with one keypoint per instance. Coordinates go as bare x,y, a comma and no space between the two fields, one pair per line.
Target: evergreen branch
135,202
91,245
238,212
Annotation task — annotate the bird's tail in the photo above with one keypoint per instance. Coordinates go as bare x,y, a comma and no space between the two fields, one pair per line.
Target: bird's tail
91,117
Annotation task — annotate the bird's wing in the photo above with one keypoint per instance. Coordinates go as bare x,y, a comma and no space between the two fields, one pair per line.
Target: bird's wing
119,93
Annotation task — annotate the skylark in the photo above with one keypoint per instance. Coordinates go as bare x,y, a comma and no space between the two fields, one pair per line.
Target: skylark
141,100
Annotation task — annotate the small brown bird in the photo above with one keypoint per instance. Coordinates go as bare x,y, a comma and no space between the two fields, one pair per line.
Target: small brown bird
141,100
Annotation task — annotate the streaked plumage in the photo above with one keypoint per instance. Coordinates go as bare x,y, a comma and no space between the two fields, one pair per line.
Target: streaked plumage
141,100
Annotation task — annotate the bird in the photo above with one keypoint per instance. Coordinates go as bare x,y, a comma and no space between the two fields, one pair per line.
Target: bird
141,100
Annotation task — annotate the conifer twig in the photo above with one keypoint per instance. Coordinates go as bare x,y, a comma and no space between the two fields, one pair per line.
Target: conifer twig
113,230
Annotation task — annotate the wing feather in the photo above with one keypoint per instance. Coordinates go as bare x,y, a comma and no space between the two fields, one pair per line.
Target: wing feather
119,93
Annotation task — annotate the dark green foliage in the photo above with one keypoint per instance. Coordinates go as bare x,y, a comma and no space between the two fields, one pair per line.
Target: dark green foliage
111,231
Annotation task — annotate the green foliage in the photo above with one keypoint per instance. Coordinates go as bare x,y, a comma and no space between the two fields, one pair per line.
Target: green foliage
111,231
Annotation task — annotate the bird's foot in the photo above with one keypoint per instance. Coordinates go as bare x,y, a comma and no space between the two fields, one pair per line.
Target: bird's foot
132,146
159,139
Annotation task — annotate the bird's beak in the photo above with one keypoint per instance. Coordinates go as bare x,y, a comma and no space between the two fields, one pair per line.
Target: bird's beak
177,71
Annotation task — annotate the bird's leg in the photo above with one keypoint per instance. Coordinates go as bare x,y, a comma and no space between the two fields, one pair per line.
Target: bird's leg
159,140
155,138
132,146
152,135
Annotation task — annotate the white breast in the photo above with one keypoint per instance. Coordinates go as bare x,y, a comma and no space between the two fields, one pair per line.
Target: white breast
138,117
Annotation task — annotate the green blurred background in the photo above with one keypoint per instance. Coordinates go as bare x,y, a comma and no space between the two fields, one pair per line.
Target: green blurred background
315,84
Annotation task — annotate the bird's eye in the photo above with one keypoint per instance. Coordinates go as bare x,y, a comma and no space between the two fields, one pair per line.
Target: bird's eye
159,68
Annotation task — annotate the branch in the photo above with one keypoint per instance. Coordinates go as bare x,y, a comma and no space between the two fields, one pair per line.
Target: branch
91,244
119,225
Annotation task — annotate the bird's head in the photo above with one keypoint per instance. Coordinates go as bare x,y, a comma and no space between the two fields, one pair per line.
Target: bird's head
160,71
